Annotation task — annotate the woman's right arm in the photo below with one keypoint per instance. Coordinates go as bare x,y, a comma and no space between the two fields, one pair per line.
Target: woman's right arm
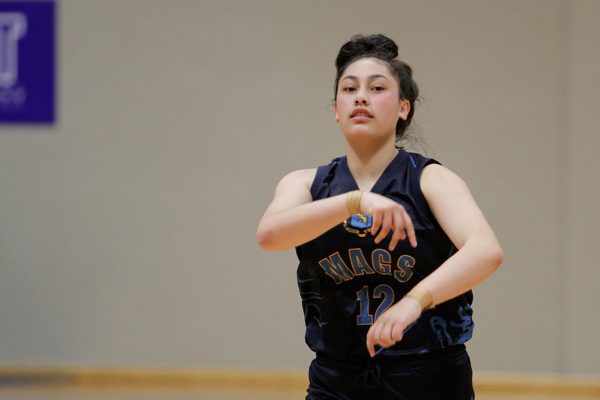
293,218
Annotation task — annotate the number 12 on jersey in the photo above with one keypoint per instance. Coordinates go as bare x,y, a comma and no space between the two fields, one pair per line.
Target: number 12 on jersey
383,292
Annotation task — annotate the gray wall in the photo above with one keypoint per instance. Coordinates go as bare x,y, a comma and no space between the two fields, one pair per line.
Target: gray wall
127,229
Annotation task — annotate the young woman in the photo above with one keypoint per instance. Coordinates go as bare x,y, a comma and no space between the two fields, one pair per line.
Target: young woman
389,242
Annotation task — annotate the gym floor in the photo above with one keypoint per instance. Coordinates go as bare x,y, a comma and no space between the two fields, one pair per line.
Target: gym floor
54,393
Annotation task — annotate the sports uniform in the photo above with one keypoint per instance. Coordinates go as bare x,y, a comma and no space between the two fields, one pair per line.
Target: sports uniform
346,281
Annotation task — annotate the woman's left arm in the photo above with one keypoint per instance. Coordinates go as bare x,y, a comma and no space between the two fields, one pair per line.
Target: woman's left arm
479,254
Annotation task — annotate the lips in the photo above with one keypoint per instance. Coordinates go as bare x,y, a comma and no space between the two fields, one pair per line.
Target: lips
361,112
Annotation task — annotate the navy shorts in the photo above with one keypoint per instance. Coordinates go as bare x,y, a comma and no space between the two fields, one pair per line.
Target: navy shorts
440,375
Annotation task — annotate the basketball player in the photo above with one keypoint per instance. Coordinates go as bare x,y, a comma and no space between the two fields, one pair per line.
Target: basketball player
390,244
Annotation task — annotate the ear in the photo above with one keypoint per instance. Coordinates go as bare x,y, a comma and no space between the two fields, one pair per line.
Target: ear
404,109
337,115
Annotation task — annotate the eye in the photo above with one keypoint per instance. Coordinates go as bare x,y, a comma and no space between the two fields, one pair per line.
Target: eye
377,88
349,89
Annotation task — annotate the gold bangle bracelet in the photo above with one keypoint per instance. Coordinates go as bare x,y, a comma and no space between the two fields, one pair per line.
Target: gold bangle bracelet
353,201
422,296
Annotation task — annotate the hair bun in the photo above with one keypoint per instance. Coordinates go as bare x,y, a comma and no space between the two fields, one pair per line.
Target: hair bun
360,45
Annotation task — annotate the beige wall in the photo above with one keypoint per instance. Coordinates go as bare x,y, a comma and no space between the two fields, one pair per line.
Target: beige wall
581,193
127,229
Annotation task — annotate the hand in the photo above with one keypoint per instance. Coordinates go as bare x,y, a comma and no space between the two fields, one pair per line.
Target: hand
391,325
388,216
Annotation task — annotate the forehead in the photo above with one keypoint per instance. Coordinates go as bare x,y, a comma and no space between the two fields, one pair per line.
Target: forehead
365,67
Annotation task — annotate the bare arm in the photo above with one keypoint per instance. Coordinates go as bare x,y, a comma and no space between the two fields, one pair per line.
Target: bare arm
293,218
479,253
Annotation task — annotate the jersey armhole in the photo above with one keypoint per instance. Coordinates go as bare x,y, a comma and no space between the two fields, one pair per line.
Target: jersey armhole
322,174
319,177
427,162
428,214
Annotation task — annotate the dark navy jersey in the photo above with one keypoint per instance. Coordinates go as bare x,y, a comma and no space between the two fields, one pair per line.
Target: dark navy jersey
347,281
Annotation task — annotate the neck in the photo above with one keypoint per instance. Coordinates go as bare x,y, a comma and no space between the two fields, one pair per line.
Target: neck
367,165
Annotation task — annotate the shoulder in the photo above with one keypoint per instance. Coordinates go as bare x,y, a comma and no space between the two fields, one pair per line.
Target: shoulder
300,177
440,184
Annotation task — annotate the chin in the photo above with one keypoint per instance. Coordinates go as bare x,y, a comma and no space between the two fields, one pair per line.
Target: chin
360,130
366,136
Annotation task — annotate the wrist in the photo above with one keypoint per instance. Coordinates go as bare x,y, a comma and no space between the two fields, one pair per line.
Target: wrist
423,296
353,201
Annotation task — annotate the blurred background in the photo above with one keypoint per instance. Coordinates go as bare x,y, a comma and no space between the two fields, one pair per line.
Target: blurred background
127,225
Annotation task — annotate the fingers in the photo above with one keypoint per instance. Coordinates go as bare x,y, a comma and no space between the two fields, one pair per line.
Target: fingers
410,229
384,333
386,225
398,222
399,233
377,218
374,338
370,344
389,216
398,332
391,326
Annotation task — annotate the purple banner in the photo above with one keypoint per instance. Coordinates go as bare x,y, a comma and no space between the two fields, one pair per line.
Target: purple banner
27,61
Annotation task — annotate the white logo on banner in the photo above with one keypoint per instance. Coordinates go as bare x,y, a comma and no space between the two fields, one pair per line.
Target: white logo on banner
13,27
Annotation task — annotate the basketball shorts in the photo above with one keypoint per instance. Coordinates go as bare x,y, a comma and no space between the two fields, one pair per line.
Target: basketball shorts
439,375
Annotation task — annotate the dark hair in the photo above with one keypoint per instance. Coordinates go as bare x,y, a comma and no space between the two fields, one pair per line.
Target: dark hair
383,48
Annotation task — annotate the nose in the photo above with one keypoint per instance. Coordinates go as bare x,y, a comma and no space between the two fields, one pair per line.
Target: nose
361,98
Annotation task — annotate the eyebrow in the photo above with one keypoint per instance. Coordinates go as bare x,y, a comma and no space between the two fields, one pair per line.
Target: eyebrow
370,77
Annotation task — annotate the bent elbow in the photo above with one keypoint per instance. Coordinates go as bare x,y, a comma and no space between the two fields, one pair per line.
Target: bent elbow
496,257
264,238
